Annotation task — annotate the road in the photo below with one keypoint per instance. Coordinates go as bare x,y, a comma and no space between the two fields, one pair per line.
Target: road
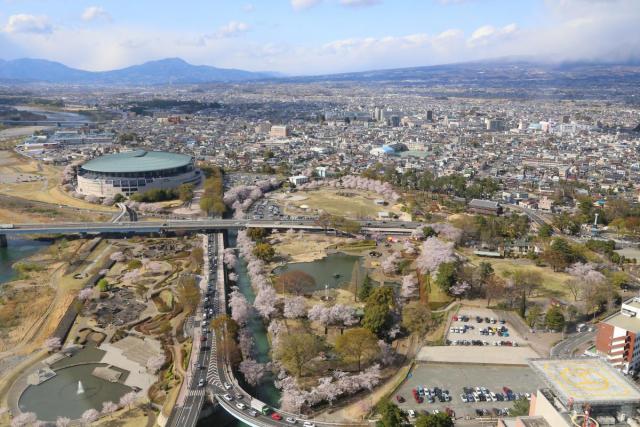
568,346
399,227
188,413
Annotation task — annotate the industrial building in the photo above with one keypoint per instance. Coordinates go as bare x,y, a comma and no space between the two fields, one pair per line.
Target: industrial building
136,172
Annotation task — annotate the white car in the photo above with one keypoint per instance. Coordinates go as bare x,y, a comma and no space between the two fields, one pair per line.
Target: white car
227,397
241,406
227,386
291,420
308,424
412,413
463,397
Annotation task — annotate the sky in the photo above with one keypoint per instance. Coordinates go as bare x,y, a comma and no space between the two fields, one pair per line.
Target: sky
305,37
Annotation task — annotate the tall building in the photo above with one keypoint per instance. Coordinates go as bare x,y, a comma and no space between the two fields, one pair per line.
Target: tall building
430,115
279,131
378,114
616,338
494,125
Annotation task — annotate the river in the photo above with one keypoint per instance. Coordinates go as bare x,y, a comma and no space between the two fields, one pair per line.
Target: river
266,391
17,249
56,115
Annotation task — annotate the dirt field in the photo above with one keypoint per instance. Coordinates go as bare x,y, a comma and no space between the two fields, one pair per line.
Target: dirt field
46,189
347,203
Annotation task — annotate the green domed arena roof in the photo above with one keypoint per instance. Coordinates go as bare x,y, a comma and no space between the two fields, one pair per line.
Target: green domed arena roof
137,161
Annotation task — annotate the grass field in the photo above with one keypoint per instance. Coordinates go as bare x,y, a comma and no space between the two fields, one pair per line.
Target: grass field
46,190
553,282
347,203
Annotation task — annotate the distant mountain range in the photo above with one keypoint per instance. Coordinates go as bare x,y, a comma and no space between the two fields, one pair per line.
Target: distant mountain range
161,72
508,73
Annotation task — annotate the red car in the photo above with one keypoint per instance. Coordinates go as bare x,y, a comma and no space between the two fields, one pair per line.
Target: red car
455,318
399,398
276,416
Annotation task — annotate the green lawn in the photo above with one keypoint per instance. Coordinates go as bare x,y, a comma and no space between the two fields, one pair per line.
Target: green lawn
553,282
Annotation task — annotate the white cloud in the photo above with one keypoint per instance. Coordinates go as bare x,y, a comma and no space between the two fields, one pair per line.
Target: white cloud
248,8
359,3
23,23
304,4
232,29
572,30
93,13
489,34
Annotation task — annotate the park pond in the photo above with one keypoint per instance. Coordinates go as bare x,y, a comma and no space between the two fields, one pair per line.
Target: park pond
70,392
335,270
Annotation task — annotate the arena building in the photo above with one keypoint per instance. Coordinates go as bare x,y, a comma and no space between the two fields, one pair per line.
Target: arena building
136,172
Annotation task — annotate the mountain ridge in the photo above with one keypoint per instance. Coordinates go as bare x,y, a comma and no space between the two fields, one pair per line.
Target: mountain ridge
157,72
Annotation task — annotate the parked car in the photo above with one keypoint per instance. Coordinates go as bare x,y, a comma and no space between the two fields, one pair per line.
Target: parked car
412,413
399,398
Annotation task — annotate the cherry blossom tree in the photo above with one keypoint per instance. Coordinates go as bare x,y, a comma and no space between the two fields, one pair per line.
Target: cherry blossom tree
53,344
387,354
90,415
240,307
155,363
409,286
230,259
24,419
245,342
63,422
266,300
433,253
390,263
447,231
252,371
295,307
118,257
85,294
459,289
109,408
128,399
233,277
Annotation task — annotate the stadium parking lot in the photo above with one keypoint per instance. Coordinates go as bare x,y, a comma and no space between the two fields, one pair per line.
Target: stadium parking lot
480,326
454,377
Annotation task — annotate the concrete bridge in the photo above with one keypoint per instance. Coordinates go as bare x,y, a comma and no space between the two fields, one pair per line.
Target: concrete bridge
203,226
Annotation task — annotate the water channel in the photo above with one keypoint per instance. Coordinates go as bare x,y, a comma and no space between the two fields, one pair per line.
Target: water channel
17,250
266,391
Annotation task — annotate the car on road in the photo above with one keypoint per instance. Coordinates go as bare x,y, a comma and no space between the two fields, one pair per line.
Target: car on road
253,412
227,397
239,396
241,406
276,416
291,420
227,386
201,382
308,424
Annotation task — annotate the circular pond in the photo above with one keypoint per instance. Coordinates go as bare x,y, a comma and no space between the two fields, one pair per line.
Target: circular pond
60,395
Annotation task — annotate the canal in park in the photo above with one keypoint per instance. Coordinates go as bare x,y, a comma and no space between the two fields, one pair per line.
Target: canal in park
17,249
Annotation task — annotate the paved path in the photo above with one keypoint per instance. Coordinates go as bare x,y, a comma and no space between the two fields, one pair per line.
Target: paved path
569,346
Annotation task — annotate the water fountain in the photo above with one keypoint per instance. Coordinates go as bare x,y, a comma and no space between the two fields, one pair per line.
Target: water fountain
80,388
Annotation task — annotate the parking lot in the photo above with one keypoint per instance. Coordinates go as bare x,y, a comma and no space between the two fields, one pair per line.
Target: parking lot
519,379
481,327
